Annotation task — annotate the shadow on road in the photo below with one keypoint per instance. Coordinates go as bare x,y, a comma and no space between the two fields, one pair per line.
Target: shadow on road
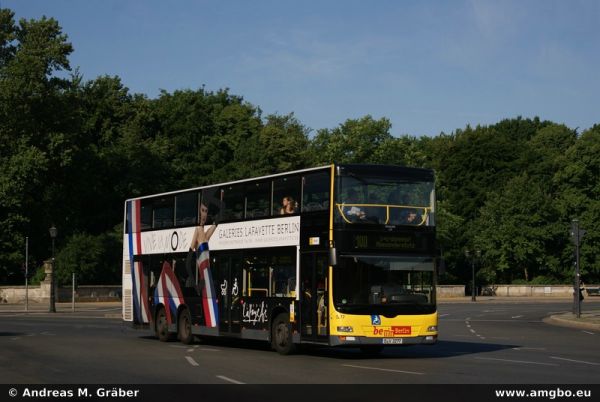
443,349
11,334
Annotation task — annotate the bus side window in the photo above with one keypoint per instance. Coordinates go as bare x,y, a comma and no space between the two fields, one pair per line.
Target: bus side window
146,214
315,192
233,202
211,199
163,213
285,187
186,211
258,199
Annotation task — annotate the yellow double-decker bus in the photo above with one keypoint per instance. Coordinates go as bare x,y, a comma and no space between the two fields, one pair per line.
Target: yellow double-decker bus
339,255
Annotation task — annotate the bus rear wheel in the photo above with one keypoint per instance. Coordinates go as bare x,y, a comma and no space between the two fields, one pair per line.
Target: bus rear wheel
184,327
162,326
281,336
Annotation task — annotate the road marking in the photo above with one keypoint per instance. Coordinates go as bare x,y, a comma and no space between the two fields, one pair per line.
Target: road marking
587,332
443,315
472,330
191,361
529,348
222,377
382,369
209,350
516,361
575,361
517,316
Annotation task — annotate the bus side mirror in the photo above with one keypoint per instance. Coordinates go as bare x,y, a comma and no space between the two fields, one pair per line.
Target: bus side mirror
332,257
441,266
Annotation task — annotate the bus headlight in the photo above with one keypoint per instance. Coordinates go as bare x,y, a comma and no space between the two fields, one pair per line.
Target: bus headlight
345,329
432,328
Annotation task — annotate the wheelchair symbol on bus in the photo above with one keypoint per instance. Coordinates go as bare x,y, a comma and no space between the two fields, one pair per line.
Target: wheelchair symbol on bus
375,320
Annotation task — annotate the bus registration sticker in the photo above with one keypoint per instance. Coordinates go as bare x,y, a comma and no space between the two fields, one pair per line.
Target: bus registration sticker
392,341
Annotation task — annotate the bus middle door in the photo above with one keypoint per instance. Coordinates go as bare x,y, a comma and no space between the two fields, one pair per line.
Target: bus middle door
229,282
314,298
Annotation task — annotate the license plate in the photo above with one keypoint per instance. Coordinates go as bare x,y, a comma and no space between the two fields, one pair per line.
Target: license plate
392,341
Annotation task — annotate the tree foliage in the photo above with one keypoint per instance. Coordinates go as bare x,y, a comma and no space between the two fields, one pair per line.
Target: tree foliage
71,151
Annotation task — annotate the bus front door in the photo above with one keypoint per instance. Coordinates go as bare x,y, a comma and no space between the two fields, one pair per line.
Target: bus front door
314,296
229,290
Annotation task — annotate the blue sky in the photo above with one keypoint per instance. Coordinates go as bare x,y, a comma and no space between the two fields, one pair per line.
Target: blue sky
428,66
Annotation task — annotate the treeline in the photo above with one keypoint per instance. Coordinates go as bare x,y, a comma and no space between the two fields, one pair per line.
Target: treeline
71,152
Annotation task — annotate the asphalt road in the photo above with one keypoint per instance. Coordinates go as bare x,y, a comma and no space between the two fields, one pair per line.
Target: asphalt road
499,343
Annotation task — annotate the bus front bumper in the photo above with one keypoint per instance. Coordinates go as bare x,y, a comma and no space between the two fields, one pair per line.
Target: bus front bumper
344,340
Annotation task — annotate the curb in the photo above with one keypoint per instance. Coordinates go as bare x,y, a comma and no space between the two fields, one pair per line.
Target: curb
561,322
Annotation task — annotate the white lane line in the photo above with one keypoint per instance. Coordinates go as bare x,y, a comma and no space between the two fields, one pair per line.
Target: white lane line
588,332
516,361
575,361
382,369
517,316
191,361
472,330
525,348
209,350
222,377
443,315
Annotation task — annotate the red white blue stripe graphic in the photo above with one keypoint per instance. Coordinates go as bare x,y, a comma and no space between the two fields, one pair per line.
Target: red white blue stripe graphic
140,292
168,292
209,296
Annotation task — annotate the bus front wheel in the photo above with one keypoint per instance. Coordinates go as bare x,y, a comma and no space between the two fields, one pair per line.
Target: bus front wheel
184,327
162,326
282,335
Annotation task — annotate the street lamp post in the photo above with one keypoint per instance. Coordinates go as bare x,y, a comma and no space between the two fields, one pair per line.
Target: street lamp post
476,253
53,232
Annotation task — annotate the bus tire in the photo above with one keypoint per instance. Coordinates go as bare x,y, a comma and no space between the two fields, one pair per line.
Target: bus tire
162,326
281,335
184,327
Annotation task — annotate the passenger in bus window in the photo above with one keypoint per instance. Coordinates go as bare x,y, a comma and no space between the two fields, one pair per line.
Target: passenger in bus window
353,211
411,217
288,206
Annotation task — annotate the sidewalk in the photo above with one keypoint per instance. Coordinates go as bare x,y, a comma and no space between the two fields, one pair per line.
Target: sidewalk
110,309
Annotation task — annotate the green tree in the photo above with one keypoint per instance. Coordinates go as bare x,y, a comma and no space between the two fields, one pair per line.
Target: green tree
37,124
514,230
578,184
354,141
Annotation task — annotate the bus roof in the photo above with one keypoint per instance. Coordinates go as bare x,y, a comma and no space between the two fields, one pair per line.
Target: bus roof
367,169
